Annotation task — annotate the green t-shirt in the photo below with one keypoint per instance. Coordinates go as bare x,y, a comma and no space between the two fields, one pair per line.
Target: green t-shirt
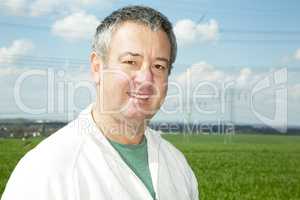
136,157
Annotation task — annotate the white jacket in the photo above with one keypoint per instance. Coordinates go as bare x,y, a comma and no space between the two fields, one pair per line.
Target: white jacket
78,163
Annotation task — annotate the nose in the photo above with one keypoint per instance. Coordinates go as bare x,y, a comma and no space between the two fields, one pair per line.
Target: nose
144,75
143,80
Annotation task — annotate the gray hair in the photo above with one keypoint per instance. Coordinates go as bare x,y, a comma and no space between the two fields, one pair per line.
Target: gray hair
140,14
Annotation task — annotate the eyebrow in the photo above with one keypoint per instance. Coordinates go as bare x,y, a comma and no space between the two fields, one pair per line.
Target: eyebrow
139,55
163,59
129,53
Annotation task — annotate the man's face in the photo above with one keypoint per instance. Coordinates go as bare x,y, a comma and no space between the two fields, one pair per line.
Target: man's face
133,83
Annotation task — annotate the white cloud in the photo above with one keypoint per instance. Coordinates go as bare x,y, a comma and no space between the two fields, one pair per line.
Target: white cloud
42,7
201,71
30,87
76,26
297,54
204,72
187,31
244,76
10,71
86,2
258,93
74,74
45,7
18,48
294,91
15,7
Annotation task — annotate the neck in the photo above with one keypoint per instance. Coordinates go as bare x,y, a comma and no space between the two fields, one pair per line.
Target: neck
119,129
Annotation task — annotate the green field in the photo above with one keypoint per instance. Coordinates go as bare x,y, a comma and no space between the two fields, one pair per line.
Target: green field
239,167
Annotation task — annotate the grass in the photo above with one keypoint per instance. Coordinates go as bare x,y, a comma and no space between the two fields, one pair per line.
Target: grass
240,167
244,166
11,151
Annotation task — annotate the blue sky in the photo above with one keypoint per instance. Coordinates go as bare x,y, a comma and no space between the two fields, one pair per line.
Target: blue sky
229,36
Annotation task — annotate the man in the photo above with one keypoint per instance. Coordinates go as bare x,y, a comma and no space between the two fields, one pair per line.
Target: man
108,152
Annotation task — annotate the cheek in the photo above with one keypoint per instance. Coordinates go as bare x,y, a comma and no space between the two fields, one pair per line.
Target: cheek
165,88
161,90
163,85
115,80
163,95
121,81
115,87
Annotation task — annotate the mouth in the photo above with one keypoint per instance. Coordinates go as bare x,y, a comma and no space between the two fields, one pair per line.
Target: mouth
140,96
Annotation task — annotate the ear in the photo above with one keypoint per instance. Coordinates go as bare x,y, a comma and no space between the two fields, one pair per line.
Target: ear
96,67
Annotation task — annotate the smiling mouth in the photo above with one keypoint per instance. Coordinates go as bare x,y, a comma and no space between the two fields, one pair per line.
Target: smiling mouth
139,96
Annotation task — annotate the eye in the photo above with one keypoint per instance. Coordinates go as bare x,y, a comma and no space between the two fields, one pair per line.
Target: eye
160,67
130,62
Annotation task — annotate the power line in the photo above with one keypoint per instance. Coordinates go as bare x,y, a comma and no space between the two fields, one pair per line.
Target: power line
22,60
189,6
31,65
263,42
31,59
182,6
264,32
43,65
45,58
223,31
25,10
52,59
41,27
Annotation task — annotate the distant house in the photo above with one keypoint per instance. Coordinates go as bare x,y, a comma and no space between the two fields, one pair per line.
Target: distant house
3,133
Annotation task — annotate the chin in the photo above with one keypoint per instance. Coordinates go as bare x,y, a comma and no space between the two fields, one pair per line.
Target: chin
135,114
132,111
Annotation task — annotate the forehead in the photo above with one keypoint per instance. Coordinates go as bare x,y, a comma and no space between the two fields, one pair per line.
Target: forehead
139,38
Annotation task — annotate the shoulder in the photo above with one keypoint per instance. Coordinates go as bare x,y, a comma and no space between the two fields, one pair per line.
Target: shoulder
46,167
58,151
